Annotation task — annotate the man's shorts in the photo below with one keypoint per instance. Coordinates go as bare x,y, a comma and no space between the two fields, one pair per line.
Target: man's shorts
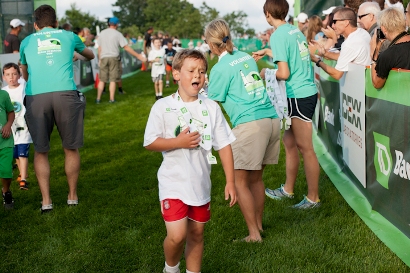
6,162
110,69
168,67
65,109
174,210
257,143
21,150
158,78
302,108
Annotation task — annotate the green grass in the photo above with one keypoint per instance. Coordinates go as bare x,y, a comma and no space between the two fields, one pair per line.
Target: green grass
117,226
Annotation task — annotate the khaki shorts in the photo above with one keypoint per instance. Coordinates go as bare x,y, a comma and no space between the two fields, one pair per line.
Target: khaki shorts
257,143
110,69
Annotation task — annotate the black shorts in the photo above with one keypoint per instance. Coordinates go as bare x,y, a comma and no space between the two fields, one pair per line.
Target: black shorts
302,108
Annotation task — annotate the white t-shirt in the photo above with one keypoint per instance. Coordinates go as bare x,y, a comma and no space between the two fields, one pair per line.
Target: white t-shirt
19,128
185,173
110,40
355,49
157,67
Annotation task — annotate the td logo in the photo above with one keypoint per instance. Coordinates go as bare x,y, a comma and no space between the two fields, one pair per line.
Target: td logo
382,159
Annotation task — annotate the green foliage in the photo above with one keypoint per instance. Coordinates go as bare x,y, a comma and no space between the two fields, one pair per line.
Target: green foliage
178,17
80,19
237,22
207,14
133,31
131,13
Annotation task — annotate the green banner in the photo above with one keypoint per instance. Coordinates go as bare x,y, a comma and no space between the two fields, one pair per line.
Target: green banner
388,148
38,3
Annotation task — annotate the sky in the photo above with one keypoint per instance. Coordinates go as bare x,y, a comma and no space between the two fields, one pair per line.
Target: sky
103,9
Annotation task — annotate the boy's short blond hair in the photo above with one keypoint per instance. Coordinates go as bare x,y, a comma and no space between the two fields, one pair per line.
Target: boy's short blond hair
188,54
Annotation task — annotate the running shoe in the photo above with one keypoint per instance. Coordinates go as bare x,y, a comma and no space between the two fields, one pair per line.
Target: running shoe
278,194
306,203
46,208
111,101
8,201
23,184
97,101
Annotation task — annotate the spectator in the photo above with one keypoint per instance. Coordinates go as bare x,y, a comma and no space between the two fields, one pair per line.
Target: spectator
88,37
394,4
110,41
327,12
355,48
80,32
302,19
407,12
397,55
353,4
313,31
55,101
367,16
66,27
12,42
379,2
147,41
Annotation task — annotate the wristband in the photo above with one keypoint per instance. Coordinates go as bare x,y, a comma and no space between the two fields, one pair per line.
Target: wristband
318,63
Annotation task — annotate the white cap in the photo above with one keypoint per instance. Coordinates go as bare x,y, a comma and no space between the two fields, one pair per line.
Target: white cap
328,11
302,17
16,22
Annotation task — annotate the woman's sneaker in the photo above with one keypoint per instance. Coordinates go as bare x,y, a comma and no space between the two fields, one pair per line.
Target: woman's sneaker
306,203
279,193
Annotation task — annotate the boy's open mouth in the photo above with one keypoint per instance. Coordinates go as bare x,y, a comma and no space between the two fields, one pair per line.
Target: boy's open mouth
195,84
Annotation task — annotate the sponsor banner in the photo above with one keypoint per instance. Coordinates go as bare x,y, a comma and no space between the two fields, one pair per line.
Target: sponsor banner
352,100
329,119
388,149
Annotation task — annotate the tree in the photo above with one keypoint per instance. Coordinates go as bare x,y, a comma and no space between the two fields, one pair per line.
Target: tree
133,31
237,22
207,14
131,12
177,17
80,19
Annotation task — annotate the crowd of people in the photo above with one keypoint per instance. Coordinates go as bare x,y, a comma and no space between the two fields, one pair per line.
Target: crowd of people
188,124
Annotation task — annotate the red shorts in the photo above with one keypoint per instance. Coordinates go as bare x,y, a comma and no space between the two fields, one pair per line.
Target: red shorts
168,68
174,210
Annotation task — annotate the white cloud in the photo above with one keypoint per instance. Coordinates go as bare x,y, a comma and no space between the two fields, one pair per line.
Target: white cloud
103,9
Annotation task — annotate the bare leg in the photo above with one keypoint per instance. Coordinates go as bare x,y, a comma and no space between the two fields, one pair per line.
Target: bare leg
23,167
160,87
257,188
247,202
156,86
112,90
194,246
302,138
6,182
175,240
100,89
292,159
72,170
42,169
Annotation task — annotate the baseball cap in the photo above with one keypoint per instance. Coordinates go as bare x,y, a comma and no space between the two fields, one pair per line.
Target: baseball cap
328,11
16,22
114,21
302,17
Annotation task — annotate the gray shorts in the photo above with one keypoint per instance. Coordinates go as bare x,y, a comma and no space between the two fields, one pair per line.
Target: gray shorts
157,78
110,69
65,109
257,143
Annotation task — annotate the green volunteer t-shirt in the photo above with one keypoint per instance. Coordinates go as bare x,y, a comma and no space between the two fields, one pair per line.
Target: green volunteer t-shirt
236,83
289,45
49,56
5,107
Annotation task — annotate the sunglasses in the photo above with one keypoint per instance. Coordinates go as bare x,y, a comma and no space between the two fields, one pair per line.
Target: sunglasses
335,20
363,15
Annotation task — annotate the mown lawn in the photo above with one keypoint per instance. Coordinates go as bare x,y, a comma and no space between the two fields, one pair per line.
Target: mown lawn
117,227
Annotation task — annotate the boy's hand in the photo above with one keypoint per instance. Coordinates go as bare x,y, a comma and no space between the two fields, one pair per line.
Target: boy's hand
6,131
188,140
230,190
